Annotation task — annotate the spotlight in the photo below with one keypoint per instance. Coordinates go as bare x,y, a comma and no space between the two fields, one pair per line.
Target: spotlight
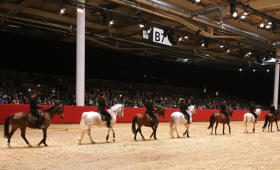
245,13
262,25
203,44
243,16
197,1
228,51
249,53
235,14
267,70
269,23
240,69
254,70
111,22
186,37
80,10
267,26
221,46
62,11
180,38
141,25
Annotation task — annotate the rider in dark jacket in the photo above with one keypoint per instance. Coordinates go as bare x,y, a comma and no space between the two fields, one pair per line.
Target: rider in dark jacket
150,110
33,102
223,109
183,109
252,110
272,109
102,110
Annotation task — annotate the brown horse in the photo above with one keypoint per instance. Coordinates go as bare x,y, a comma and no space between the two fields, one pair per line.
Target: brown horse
270,118
22,120
145,120
220,118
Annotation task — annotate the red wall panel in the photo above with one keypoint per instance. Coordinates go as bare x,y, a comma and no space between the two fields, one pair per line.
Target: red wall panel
73,113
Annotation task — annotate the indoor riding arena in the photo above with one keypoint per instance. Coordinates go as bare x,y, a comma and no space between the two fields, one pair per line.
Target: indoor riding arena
139,84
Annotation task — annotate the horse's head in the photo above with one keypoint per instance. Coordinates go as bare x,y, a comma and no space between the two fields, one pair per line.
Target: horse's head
118,109
258,111
59,110
191,109
161,111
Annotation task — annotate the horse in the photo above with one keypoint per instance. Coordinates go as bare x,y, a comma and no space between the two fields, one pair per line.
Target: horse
22,120
249,117
178,117
145,120
270,118
220,118
94,118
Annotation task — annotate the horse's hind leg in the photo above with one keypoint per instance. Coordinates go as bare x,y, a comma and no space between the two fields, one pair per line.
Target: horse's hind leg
216,128
254,127
229,129
223,128
23,129
108,133
155,133
82,136
44,138
135,136
114,135
11,134
177,131
89,135
277,125
141,134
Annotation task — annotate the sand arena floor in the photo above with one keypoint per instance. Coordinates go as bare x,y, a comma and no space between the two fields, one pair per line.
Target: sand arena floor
200,151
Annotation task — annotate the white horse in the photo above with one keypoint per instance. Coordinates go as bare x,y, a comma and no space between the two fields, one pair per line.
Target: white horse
94,118
178,117
249,117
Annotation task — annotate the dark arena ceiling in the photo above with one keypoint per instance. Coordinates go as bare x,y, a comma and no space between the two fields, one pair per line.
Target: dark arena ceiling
205,32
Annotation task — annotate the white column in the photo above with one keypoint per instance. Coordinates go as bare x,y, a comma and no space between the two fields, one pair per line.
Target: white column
276,85
80,52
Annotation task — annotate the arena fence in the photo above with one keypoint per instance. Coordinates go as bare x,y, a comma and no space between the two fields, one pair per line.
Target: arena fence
73,113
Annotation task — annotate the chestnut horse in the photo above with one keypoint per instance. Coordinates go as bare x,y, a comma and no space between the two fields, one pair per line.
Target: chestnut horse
22,120
145,120
270,118
220,118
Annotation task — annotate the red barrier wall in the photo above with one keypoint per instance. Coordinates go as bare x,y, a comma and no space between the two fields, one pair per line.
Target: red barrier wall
73,113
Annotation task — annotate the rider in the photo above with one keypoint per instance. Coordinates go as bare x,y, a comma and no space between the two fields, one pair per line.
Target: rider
33,102
252,110
183,109
150,110
101,109
272,109
223,109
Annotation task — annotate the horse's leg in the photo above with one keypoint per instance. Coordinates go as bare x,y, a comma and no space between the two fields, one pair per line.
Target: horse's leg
245,125
113,134
108,133
254,123
177,131
152,132
89,135
187,130
277,124
23,129
44,138
223,128
136,133
11,134
212,129
82,135
141,133
271,126
229,130
155,133
216,128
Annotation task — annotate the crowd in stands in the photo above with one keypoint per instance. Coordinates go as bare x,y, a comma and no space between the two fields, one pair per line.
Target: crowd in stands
15,87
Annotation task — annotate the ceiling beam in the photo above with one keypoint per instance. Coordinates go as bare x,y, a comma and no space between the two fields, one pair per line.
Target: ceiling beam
264,4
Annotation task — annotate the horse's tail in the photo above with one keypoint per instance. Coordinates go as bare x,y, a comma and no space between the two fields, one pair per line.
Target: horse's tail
266,121
83,120
6,126
171,125
134,120
211,121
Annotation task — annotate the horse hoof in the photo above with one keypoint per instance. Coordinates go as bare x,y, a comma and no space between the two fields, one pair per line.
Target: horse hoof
178,136
155,138
9,145
107,141
144,139
92,142
30,145
80,143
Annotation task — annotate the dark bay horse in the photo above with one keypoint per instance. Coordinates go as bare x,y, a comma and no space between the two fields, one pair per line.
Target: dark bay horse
270,118
220,118
145,120
23,120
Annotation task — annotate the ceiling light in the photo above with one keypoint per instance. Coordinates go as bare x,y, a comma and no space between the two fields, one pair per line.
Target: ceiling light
62,10
221,46
197,1
245,13
262,25
269,23
235,14
80,10
186,37
254,70
141,25
267,26
267,70
228,51
243,16
203,44
249,53
111,22
180,38
240,69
